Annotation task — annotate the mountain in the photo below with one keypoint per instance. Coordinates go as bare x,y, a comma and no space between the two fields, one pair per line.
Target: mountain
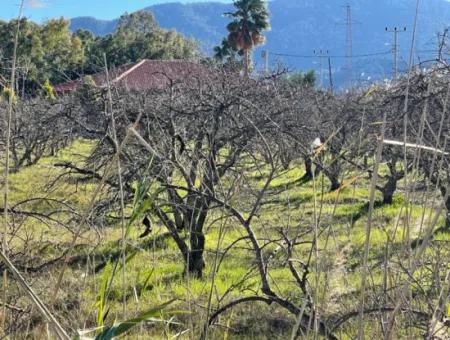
300,27
98,27
202,21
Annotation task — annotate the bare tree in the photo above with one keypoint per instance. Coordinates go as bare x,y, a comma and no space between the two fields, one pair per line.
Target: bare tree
38,129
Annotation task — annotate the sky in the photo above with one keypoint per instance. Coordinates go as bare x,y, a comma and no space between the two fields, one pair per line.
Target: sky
40,10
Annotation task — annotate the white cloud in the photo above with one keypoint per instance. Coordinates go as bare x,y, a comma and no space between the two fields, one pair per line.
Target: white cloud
35,4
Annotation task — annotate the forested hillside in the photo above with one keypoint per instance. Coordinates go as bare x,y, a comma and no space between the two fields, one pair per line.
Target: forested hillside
301,26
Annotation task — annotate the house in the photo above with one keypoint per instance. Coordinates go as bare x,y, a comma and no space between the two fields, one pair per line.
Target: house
143,75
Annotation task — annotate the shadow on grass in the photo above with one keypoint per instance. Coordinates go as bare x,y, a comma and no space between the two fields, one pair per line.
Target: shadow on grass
445,229
364,210
114,252
292,201
158,242
139,289
117,294
287,186
305,179
416,243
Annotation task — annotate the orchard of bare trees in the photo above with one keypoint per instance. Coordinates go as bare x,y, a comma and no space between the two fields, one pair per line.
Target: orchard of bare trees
277,210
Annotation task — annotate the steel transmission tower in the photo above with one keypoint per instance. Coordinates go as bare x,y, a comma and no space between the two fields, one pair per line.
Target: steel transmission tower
349,42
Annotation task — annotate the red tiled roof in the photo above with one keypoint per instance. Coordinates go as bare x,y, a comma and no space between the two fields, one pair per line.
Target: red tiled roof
144,75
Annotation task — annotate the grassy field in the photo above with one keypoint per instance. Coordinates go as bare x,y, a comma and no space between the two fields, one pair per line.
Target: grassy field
154,270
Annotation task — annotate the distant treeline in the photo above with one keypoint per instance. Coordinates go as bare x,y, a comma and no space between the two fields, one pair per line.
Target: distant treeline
50,52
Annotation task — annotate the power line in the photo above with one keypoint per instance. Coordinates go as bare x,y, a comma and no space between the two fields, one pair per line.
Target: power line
344,56
331,56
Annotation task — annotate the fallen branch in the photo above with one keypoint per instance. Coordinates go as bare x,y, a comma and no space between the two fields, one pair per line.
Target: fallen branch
81,171
323,328
237,302
59,331
14,308
414,146
344,318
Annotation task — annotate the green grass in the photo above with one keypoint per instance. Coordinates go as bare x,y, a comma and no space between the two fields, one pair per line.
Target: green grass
155,275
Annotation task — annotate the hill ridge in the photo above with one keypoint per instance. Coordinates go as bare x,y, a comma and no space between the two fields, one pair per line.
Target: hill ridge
301,26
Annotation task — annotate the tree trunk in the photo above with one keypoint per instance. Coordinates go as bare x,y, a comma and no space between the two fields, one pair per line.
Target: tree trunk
332,172
335,184
196,263
247,62
447,215
389,189
308,167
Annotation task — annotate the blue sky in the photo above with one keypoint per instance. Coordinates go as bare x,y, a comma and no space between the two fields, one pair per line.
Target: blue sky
40,10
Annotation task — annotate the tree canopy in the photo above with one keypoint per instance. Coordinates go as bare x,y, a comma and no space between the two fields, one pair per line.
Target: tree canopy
307,79
51,53
249,21
138,36
47,51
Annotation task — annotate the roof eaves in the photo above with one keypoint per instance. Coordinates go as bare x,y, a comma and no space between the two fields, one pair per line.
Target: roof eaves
132,69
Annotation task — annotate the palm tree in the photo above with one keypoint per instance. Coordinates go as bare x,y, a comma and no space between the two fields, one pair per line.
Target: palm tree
223,51
227,55
250,19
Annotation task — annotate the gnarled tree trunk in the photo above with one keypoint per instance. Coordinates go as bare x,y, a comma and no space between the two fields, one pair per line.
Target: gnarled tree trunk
308,167
389,189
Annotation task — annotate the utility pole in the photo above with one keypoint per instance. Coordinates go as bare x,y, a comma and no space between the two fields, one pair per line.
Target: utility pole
321,54
441,43
395,31
265,56
330,75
